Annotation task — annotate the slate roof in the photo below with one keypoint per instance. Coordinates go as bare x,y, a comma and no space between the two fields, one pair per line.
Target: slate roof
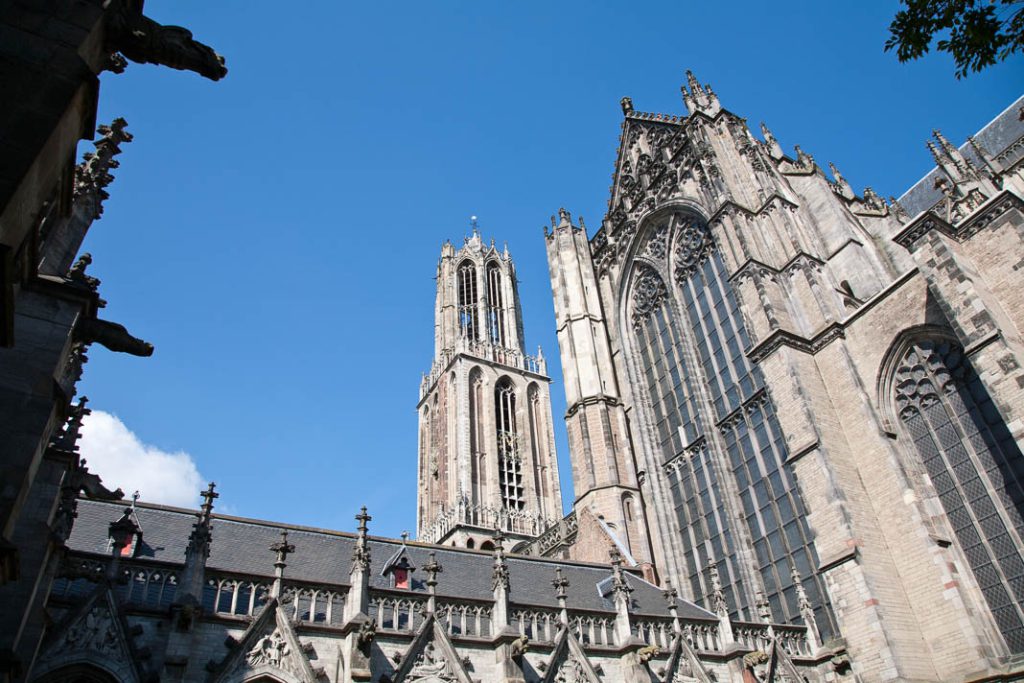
996,137
241,546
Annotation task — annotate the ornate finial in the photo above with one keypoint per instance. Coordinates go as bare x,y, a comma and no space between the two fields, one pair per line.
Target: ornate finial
92,175
405,537
564,218
474,225
836,174
208,497
554,222
936,155
619,583
947,146
432,568
872,200
627,105
803,157
135,498
694,84
361,553
579,219
363,518
898,210
283,548
767,134
561,584
717,597
67,439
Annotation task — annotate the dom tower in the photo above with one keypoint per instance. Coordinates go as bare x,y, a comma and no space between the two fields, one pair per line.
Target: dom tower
486,445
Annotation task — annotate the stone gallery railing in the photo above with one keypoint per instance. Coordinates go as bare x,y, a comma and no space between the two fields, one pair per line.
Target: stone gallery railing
397,611
484,517
465,618
485,351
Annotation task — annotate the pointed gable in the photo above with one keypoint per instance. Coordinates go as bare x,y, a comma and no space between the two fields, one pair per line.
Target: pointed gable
268,647
95,634
684,665
431,658
569,663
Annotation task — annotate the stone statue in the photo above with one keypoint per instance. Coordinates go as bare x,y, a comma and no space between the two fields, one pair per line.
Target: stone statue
143,40
430,667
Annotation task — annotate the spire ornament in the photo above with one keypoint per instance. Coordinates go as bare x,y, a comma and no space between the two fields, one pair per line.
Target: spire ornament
361,553
283,549
561,586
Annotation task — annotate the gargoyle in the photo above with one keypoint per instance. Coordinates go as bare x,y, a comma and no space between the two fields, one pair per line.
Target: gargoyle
91,485
648,653
519,646
143,40
367,632
113,336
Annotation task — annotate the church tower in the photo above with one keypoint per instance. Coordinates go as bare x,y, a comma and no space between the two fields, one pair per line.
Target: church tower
486,443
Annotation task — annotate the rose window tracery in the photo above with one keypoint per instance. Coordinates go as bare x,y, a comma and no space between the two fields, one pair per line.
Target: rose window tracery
693,244
648,294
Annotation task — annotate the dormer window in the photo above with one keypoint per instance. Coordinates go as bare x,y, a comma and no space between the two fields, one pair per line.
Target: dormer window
398,569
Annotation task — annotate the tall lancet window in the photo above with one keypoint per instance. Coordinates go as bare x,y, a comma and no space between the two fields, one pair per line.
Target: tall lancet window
495,305
715,429
510,465
976,468
468,300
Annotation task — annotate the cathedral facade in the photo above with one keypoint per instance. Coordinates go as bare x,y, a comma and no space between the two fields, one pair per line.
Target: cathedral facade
794,418
822,390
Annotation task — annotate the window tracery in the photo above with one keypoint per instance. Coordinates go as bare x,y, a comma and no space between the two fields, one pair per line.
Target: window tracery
975,467
648,295
495,306
468,300
713,422
510,463
692,248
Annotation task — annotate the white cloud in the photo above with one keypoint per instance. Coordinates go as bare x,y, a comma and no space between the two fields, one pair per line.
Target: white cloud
117,455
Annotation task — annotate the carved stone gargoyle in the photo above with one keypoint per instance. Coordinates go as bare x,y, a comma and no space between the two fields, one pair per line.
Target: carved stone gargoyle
111,335
143,40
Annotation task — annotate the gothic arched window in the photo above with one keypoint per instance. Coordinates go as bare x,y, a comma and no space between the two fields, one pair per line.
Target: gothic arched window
510,463
468,300
976,469
713,421
477,461
495,305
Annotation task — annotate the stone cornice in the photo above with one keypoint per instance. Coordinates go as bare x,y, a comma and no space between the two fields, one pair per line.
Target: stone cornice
986,214
810,346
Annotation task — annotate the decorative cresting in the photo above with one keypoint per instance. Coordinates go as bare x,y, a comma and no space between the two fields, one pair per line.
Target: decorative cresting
926,374
693,245
975,467
649,293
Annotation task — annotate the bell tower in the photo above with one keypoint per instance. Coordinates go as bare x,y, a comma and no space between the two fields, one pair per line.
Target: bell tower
486,443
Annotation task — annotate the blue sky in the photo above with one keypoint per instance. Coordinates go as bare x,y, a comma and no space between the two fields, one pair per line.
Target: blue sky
275,235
